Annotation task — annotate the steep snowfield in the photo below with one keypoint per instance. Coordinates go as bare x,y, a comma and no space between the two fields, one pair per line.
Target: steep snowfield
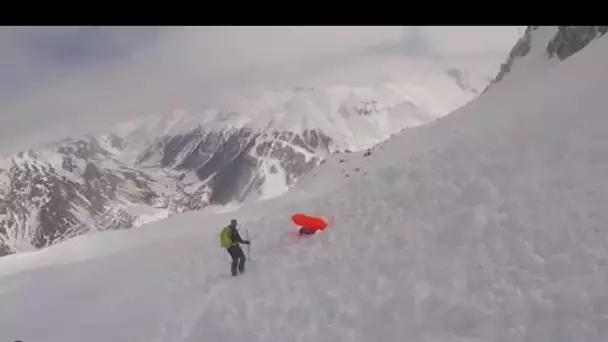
488,225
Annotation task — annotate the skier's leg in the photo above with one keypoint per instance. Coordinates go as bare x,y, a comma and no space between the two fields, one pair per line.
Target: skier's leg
242,259
235,258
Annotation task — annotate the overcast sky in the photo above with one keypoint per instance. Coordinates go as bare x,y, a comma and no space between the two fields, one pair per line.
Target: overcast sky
57,81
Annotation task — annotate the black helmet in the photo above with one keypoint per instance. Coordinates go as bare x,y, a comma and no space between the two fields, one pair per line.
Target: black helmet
233,223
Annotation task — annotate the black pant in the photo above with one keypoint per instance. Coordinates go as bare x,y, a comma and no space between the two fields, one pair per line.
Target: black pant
238,259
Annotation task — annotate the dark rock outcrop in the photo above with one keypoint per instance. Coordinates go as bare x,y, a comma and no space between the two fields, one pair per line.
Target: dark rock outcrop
567,41
571,39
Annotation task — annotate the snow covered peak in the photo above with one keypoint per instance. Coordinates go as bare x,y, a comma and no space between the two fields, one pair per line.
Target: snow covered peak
353,117
570,39
529,53
536,49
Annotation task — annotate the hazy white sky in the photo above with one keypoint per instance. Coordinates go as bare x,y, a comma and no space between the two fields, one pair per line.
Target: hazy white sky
57,81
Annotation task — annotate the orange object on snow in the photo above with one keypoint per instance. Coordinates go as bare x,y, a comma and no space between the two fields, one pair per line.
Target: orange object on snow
307,221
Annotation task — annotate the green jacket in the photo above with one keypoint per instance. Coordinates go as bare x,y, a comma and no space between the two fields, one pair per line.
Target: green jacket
230,237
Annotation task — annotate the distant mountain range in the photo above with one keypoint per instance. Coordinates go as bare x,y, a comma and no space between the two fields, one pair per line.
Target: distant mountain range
158,166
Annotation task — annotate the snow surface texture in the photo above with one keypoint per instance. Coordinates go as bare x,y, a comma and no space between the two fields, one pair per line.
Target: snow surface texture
488,225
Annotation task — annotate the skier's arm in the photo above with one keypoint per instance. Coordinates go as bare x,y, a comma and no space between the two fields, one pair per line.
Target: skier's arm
237,237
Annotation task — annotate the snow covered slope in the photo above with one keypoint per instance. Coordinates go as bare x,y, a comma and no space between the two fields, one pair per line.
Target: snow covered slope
487,225
254,148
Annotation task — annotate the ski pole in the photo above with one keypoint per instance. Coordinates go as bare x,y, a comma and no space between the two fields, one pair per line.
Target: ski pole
249,245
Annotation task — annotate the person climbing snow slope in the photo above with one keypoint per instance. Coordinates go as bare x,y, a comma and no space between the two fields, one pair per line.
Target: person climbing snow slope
230,239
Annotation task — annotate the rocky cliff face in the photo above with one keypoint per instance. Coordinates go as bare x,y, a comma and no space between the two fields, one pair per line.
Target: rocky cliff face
521,49
236,163
77,187
564,42
571,39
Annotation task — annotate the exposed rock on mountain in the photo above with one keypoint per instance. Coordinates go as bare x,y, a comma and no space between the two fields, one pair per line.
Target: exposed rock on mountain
550,42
